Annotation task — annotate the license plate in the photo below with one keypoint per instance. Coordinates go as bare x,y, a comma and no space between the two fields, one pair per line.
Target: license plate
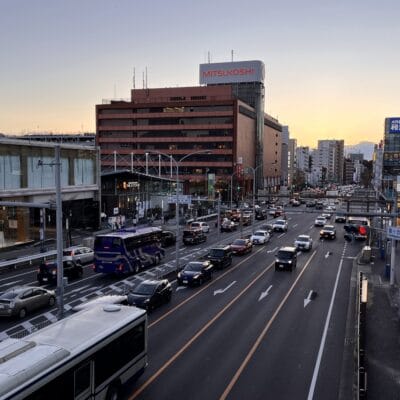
44,279
185,281
282,265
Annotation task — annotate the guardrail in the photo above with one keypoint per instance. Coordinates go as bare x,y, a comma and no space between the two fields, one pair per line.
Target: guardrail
362,297
25,261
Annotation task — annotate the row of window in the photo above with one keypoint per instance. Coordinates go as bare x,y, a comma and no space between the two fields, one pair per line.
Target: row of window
172,134
111,111
166,121
167,146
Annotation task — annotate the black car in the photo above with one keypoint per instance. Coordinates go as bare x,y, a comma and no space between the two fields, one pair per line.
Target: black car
47,272
220,256
286,258
193,236
168,238
327,232
150,294
261,214
195,273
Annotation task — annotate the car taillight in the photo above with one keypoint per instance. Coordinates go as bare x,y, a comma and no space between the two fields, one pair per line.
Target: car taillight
120,267
93,266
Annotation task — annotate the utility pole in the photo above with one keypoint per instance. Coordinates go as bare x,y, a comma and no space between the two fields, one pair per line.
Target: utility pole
393,249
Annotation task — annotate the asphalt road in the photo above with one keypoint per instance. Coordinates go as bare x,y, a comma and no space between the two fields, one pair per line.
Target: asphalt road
250,333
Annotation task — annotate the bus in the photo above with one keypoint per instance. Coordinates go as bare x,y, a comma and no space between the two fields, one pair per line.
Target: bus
127,251
88,355
358,227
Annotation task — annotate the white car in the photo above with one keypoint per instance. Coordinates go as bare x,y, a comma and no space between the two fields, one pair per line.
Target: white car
260,237
80,254
200,225
280,225
320,221
303,242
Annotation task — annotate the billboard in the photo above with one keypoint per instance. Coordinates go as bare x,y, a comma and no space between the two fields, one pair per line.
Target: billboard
232,72
392,125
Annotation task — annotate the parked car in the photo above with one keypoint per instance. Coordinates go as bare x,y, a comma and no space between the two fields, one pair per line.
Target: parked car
228,226
168,238
193,236
327,232
20,300
150,294
47,272
303,242
241,246
286,258
80,254
280,225
259,237
320,221
195,273
220,256
200,225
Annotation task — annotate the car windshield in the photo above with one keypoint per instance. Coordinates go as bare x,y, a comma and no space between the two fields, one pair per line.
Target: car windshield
193,267
67,253
239,242
9,295
216,252
195,225
286,255
259,233
280,222
145,288
303,238
329,228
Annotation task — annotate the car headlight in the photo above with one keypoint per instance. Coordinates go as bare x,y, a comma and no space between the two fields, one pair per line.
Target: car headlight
289,261
196,276
179,274
12,304
147,301
54,272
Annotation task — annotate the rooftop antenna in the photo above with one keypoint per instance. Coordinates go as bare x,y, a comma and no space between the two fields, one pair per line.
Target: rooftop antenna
134,78
209,57
232,55
143,79
146,78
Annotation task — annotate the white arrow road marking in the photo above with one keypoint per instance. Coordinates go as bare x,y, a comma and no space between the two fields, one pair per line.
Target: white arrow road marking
180,288
311,227
224,290
294,226
265,294
327,254
308,299
273,250
281,234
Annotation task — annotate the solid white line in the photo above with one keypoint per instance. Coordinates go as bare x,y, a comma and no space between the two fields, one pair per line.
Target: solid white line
323,339
11,283
281,234
294,226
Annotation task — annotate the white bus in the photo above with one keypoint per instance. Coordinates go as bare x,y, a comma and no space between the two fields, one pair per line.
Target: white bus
88,355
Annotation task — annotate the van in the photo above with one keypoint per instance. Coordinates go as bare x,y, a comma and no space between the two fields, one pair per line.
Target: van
220,256
200,225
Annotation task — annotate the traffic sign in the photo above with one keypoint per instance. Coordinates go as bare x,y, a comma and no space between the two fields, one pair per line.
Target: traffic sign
393,232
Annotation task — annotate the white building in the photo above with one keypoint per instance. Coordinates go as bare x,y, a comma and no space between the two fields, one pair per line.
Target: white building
330,160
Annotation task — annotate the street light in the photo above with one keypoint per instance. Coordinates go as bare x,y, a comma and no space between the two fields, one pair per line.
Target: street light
253,170
172,159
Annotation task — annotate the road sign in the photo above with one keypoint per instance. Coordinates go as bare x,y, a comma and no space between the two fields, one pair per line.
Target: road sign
183,199
393,232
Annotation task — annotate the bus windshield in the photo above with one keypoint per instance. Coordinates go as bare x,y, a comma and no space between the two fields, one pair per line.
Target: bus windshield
107,243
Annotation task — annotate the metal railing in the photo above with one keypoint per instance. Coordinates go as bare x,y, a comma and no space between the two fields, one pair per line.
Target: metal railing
362,297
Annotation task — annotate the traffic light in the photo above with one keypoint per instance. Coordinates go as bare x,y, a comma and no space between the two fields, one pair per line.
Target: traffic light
238,188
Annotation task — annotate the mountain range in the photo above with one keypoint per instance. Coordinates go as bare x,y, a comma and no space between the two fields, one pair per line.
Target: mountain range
366,148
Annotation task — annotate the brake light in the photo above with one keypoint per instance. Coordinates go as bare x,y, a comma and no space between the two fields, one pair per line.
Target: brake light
120,267
362,230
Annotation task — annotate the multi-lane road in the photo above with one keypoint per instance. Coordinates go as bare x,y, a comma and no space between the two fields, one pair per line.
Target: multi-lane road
250,333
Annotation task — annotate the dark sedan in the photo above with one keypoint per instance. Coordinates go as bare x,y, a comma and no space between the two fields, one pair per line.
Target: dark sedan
241,246
328,232
195,273
168,238
150,294
47,272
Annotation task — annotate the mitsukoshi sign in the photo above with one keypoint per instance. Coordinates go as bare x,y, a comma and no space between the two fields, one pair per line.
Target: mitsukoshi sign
232,72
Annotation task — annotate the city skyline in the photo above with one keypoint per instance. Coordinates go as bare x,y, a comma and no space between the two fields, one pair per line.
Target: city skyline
330,69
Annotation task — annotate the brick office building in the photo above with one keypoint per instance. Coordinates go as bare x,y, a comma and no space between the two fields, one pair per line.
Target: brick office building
180,121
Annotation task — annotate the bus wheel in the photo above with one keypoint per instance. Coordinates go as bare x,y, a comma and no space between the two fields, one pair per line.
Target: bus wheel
113,392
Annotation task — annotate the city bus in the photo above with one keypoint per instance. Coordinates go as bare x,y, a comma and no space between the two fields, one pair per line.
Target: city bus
127,251
88,355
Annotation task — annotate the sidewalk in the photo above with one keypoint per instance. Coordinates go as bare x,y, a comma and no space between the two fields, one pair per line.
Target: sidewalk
382,332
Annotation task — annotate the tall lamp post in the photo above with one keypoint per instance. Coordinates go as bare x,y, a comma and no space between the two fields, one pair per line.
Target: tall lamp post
253,170
172,159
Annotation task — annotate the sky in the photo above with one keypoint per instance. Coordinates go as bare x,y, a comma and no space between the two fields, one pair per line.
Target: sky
332,66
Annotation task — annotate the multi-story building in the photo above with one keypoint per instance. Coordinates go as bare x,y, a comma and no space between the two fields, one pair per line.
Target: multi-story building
330,160
292,164
284,159
391,156
378,166
303,158
348,171
159,128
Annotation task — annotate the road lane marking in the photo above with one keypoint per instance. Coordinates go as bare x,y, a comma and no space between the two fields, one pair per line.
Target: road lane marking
171,360
323,339
327,254
265,294
307,300
281,235
294,226
10,283
263,333
273,250
218,291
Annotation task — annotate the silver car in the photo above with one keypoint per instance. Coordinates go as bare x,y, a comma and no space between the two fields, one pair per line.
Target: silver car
80,254
20,300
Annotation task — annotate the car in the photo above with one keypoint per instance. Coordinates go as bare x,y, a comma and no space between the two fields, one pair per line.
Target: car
228,226
295,203
80,254
195,273
191,236
20,300
320,221
200,225
303,242
319,205
326,215
268,228
340,217
241,246
261,214
286,258
220,256
168,238
47,272
280,225
260,237
328,232
331,208
311,203
150,293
